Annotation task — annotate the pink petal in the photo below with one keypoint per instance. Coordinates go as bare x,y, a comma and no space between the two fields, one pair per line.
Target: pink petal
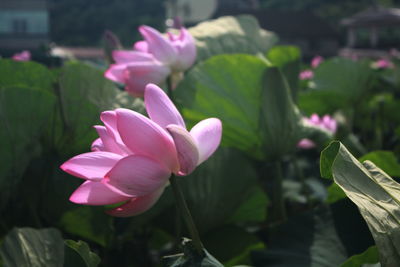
160,47
139,74
92,165
126,56
305,143
314,119
108,141
137,205
95,193
160,108
116,73
137,175
97,145
186,48
188,154
109,118
141,46
207,134
143,136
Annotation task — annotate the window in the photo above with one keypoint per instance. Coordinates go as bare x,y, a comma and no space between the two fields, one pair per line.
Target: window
19,26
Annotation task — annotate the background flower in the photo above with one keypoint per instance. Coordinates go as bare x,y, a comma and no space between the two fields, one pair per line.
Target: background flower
153,59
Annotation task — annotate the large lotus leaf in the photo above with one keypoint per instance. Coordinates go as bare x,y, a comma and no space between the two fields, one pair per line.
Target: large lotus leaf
375,193
306,240
338,83
27,247
227,87
84,93
281,122
386,160
287,58
25,74
370,256
78,254
227,35
251,99
253,209
24,114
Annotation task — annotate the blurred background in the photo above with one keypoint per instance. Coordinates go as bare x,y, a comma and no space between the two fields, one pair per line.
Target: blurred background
76,28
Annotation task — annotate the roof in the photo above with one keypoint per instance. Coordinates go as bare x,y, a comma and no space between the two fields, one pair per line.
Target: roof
77,52
374,16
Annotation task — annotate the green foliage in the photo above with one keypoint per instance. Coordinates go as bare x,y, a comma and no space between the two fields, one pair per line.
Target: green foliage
287,58
27,247
368,256
227,87
191,257
373,191
78,254
22,121
231,35
253,209
25,74
88,222
280,119
206,190
306,240
232,245
252,100
83,94
338,83
385,160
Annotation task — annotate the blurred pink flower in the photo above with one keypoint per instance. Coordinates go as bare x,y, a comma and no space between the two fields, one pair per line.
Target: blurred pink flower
22,56
316,61
306,75
326,122
153,59
382,64
134,156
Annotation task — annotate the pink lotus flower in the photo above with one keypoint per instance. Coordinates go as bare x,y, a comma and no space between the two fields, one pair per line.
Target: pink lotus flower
382,64
316,61
134,156
22,56
152,60
306,75
326,122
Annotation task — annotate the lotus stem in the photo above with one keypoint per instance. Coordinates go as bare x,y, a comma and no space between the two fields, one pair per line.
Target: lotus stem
185,213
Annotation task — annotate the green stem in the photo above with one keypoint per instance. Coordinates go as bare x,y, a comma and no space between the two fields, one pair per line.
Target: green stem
61,103
279,210
185,213
304,186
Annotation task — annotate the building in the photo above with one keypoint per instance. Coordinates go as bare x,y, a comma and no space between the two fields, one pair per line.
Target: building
24,24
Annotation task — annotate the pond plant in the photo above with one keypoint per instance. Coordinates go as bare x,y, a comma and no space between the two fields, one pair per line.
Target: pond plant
209,148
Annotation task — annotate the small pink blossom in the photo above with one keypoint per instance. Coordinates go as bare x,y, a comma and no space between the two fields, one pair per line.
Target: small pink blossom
316,61
382,64
134,156
326,123
22,56
306,75
153,59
